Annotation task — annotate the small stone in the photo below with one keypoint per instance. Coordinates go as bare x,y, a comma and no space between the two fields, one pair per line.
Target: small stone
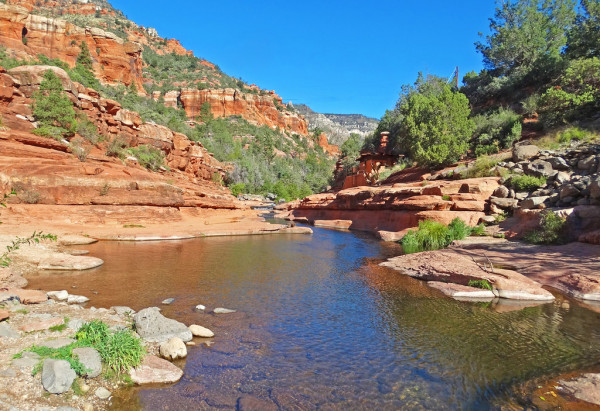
221,310
57,376
88,407
90,358
62,295
501,192
4,314
102,393
533,202
200,307
199,331
568,190
173,349
75,324
168,301
84,387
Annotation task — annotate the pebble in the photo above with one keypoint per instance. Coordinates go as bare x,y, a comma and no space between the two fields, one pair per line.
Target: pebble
168,301
102,393
199,331
200,307
84,388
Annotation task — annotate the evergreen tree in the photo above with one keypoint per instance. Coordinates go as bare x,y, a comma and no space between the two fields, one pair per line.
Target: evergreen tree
584,38
52,109
525,32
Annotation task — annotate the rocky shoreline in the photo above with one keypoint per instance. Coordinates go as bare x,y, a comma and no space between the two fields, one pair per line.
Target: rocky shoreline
52,318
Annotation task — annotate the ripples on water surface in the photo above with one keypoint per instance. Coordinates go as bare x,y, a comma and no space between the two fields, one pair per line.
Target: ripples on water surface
320,325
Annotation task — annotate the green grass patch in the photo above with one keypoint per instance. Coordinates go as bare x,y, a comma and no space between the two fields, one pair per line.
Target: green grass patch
63,353
551,230
432,235
479,230
483,284
526,183
22,311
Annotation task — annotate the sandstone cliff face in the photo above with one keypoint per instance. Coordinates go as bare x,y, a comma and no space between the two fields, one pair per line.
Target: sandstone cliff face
332,150
26,35
45,172
255,108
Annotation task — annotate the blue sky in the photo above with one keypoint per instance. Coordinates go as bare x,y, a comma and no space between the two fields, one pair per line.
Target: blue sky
337,56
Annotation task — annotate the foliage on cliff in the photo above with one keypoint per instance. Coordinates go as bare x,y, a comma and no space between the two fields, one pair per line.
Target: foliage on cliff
541,58
52,109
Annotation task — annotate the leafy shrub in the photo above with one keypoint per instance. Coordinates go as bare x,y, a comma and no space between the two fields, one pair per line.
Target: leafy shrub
458,229
117,148
526,183
149,157
389,171
482,167
573,133
237,189
551,230
87,129
497,130
80,150
92,333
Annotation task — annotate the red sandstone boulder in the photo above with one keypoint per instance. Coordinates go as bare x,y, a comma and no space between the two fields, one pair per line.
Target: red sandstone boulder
154,370
41,325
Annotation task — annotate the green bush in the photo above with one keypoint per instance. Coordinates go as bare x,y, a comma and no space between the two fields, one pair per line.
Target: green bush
483,284
573,133
117,148
149,157
526,183
497,130
432,235
121,350
551,230
87,129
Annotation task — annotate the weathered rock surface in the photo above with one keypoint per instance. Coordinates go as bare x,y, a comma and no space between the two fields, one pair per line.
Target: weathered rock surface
154,370
57,343
4,314
91,360
41,325
61,295
452,267
461,291
586,387
173,349
250,403
152,326
523,152
221,310
7,331
57,376
28,296
102,393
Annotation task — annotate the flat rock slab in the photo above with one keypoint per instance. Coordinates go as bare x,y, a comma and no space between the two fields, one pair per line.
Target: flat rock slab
449,266
152,326
58,343
221,310
41,325
461,291
343,224
28,296
7,331
73,239
585,388
154,370
59,261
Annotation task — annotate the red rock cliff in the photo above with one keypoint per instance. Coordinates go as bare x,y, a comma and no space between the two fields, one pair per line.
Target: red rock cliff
257,109
26,35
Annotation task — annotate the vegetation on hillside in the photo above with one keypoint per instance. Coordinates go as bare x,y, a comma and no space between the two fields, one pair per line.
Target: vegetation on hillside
541,58
432,235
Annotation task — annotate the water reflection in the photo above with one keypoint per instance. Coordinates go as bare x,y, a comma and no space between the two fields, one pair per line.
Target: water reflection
321,325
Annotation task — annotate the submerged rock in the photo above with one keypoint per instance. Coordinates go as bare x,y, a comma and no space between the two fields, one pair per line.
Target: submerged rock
168,301
221,310
102,393
586,388
152,326
154,370
199,331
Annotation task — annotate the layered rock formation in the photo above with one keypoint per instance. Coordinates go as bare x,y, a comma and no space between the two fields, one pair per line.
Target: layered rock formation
391,210
44,171
261,109
26,35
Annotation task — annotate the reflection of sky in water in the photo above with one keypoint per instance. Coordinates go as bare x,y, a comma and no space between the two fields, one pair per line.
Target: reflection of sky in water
321,325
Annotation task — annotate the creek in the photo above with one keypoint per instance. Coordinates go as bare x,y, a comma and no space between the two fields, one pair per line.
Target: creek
320,325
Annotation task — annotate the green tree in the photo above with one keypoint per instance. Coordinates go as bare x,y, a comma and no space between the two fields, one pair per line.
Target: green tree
526,32
437,127
52,109
85,58
584,38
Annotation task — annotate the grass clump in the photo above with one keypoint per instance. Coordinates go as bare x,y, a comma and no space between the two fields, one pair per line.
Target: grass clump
551,230
432,235
63,353
120,350
483,284
484,166
526,183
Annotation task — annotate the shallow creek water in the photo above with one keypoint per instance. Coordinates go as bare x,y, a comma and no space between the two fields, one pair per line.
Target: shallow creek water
320,325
